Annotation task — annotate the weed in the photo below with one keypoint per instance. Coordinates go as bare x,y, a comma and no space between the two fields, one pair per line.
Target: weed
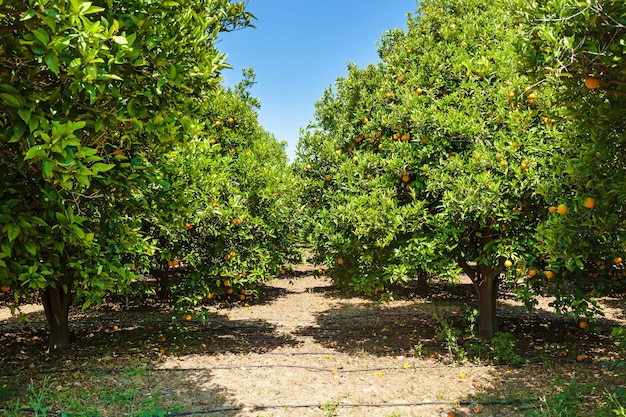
330,408
419,349
449,336
500,349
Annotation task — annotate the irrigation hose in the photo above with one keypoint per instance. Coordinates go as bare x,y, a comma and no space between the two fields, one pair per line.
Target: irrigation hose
512,401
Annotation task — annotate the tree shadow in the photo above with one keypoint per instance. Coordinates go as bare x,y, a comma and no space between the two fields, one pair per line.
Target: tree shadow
418,326
132,337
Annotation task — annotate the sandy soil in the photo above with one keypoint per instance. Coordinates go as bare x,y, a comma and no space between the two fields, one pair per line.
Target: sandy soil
306,349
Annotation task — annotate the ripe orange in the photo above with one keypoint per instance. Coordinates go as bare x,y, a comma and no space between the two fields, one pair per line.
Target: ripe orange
115,328
532,272
409,51
419,91
617,260
327,178
340,261
242,297
528,89
590,202
380,146
581,358
552,209
479,409
425,141
405,137
592,83
309,167
6,288
524,165
582,324
218,123
511,94
405,178
282,271
320,271
188,226
230,120
162,351
549,274
508,263
364,121
163,339
388,95
209,296
226,283
562,209
188,317
358,140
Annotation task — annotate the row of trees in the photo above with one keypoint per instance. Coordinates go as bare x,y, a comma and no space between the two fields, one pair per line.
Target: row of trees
488,140
449,155
121,152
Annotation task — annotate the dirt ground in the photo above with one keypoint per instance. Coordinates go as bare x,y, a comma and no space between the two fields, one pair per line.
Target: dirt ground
305,349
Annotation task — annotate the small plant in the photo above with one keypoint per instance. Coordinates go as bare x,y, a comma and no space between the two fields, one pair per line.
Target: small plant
617,404
500,349
449,336
419,349
330,408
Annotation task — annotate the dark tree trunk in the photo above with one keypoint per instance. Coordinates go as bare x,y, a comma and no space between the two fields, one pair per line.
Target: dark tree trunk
56,304
487,290
163,276
422,283
486,281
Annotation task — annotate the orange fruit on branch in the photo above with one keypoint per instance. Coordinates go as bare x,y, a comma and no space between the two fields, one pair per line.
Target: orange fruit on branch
592,83
589,202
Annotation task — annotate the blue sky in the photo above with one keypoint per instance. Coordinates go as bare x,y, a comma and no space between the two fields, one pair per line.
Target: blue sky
300,47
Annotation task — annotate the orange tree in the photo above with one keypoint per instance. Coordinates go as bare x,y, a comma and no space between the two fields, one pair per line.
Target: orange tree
92,96
579,49
428,163
232,226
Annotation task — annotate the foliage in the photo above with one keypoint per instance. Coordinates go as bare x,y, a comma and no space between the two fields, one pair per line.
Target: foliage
578,47
233,226
92,96
429,162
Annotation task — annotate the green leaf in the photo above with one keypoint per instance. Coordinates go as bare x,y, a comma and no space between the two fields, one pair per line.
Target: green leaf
13,230
29,14
52,61
33,152
120,40
101,167
30,247
24,114
11,100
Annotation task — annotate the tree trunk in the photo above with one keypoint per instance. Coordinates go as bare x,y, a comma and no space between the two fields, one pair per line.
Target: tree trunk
165,290
56,304
486,281
487,288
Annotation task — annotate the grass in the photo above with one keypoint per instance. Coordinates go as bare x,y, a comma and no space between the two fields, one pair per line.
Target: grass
132,393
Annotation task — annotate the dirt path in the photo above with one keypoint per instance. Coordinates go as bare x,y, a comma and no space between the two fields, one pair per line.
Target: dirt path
304,349
353,357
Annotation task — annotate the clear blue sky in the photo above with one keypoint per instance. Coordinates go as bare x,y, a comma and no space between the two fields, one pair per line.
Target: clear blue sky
300,47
